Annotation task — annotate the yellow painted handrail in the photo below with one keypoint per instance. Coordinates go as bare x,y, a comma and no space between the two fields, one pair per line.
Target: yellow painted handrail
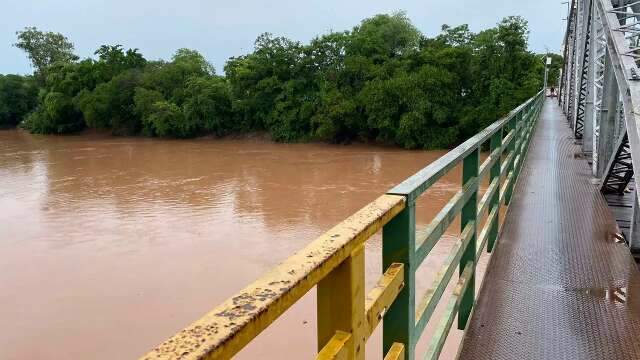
229,327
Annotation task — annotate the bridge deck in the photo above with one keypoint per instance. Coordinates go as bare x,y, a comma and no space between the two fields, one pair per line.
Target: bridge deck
558,285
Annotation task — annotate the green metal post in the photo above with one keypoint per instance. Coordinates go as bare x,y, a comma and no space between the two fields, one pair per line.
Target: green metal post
496,143
398,246
524,126
533,111
513,125
470,168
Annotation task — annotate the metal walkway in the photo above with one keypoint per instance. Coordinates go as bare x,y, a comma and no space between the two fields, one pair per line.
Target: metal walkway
559,286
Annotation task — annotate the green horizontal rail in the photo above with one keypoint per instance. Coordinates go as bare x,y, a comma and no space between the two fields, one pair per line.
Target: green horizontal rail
417,184
490,161
485,233
435,347
445,217
509,139
434,293
488,195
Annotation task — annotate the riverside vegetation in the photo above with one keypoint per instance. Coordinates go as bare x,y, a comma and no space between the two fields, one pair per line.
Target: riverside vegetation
382,81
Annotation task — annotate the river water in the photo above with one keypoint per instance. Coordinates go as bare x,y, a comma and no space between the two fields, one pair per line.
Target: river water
110,245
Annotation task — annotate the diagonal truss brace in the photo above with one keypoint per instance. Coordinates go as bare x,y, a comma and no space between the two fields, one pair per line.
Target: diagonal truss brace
582,97
619,169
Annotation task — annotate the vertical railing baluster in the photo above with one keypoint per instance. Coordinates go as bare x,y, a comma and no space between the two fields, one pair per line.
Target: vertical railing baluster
398,246
341,304
470,168
494,202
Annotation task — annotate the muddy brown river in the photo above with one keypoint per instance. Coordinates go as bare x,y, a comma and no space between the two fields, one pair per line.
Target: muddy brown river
110,245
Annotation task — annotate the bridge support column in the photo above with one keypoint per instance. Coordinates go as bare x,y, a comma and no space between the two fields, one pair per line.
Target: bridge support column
608,115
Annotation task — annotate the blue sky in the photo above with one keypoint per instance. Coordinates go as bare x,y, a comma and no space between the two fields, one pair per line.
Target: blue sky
221,29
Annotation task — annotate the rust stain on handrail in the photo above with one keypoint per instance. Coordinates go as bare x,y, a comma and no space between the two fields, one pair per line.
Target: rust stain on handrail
228,328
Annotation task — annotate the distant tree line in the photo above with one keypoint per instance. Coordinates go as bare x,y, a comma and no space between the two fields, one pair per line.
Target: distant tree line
381,81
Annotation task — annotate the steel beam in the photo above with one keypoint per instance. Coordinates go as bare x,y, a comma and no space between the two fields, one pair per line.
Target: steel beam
569,53
599,66
584,69
607,125
587,132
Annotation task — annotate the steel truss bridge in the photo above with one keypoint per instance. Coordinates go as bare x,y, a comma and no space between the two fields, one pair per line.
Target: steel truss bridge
599,94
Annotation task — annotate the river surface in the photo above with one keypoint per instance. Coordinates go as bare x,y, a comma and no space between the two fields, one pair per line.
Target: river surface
110,245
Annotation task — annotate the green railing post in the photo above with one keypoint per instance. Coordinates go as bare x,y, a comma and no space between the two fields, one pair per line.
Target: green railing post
541,101
513,125
522,134
470,169
398,246
494,202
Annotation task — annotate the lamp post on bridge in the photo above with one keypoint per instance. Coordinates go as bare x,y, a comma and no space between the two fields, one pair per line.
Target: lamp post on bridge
546,72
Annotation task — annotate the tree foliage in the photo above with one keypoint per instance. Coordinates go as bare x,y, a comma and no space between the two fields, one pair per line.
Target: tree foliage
18,97
381,81
44,48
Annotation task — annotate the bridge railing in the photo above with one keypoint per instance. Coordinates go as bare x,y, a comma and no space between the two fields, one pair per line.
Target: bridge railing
335,262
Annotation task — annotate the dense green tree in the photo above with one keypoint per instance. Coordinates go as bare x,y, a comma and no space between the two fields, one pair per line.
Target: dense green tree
384,36
55,115
208,104
381,81
18,97
258,80
167,119
112,60
111,104
170,78
44,48
144,100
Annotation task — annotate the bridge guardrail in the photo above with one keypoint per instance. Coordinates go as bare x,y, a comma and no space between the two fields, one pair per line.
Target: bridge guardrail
335,261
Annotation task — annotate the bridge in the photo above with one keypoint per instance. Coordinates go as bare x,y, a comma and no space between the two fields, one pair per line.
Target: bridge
548,190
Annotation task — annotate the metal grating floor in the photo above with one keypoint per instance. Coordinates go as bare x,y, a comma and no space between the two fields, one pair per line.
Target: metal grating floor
558,285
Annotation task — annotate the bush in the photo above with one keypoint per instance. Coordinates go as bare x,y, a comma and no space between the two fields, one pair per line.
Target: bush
18,97
208,105
56,115
166,119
